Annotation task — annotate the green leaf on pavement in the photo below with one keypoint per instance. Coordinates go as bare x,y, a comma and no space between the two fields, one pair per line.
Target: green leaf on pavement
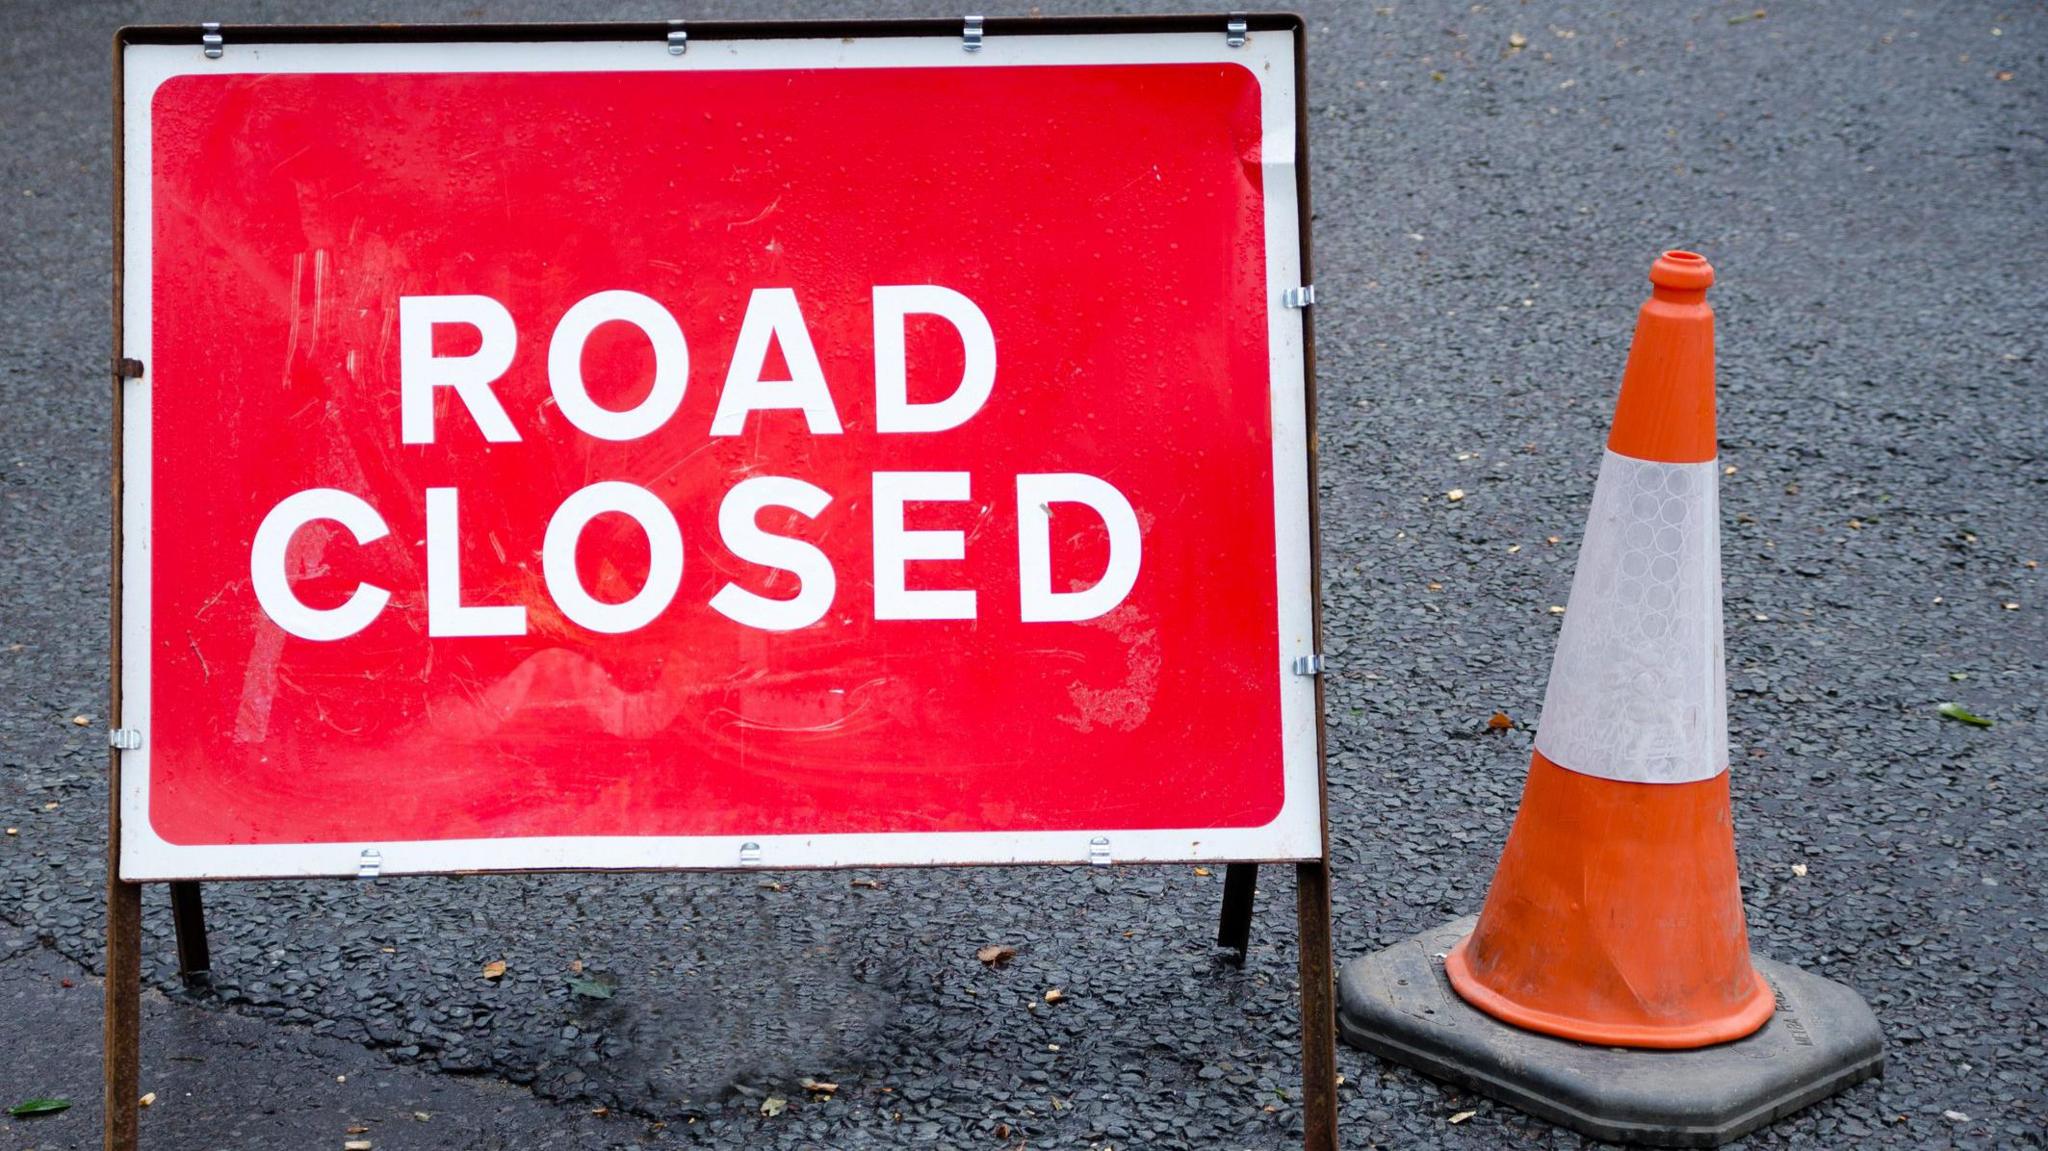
39,1107
1962,714
599,987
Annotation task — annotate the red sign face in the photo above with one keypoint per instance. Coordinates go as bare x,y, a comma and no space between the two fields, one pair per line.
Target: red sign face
648,465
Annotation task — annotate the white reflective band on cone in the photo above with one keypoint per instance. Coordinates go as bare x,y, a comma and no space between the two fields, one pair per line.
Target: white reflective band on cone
1638,690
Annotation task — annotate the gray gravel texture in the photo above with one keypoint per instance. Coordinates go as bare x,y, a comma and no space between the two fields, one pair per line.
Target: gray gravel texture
231,1079
1869,182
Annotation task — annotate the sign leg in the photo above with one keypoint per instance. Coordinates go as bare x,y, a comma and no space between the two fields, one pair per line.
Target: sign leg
1240,882
1318,1008
188,917
122,1051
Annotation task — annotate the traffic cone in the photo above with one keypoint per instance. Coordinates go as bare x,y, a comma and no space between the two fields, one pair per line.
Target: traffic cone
1616,915
1610,964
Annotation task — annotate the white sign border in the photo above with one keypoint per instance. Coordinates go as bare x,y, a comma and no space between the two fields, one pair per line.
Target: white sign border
1295,834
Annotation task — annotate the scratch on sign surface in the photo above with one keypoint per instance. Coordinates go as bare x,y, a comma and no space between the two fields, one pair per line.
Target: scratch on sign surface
1124,707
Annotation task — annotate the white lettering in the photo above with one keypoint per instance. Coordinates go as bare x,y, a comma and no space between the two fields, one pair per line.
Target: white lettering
273,585
774,312
745,539
446,614
1035,495
894,546
565,365
893,410
420,371
664,559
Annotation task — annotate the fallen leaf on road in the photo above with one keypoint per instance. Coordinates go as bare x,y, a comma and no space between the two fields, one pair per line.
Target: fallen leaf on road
356,1145
1455,494
356,1130
80,721
1799,869
1517,42
495,969
39,1107
1499,722
595,987
772,885
870,884
1955,1117
146,1100
996,954
818,1086
1746,17
1461,1116
774,1105
1054,995
1962,714
1202,872
422,1116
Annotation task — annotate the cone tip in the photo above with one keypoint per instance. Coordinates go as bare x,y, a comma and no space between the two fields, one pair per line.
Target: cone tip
1683,271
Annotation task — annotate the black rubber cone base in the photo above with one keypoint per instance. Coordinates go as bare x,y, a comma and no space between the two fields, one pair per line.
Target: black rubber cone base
1399,1004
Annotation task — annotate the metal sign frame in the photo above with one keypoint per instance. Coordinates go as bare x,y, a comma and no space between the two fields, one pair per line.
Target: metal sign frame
136,855
1290,835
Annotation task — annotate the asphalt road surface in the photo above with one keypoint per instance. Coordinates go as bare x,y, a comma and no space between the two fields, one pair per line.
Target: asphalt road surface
1869,182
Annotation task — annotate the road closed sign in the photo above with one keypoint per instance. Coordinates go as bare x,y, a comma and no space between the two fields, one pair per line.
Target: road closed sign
646,451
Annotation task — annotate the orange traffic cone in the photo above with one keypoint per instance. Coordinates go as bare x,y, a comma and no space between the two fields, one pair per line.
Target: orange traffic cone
1615,917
